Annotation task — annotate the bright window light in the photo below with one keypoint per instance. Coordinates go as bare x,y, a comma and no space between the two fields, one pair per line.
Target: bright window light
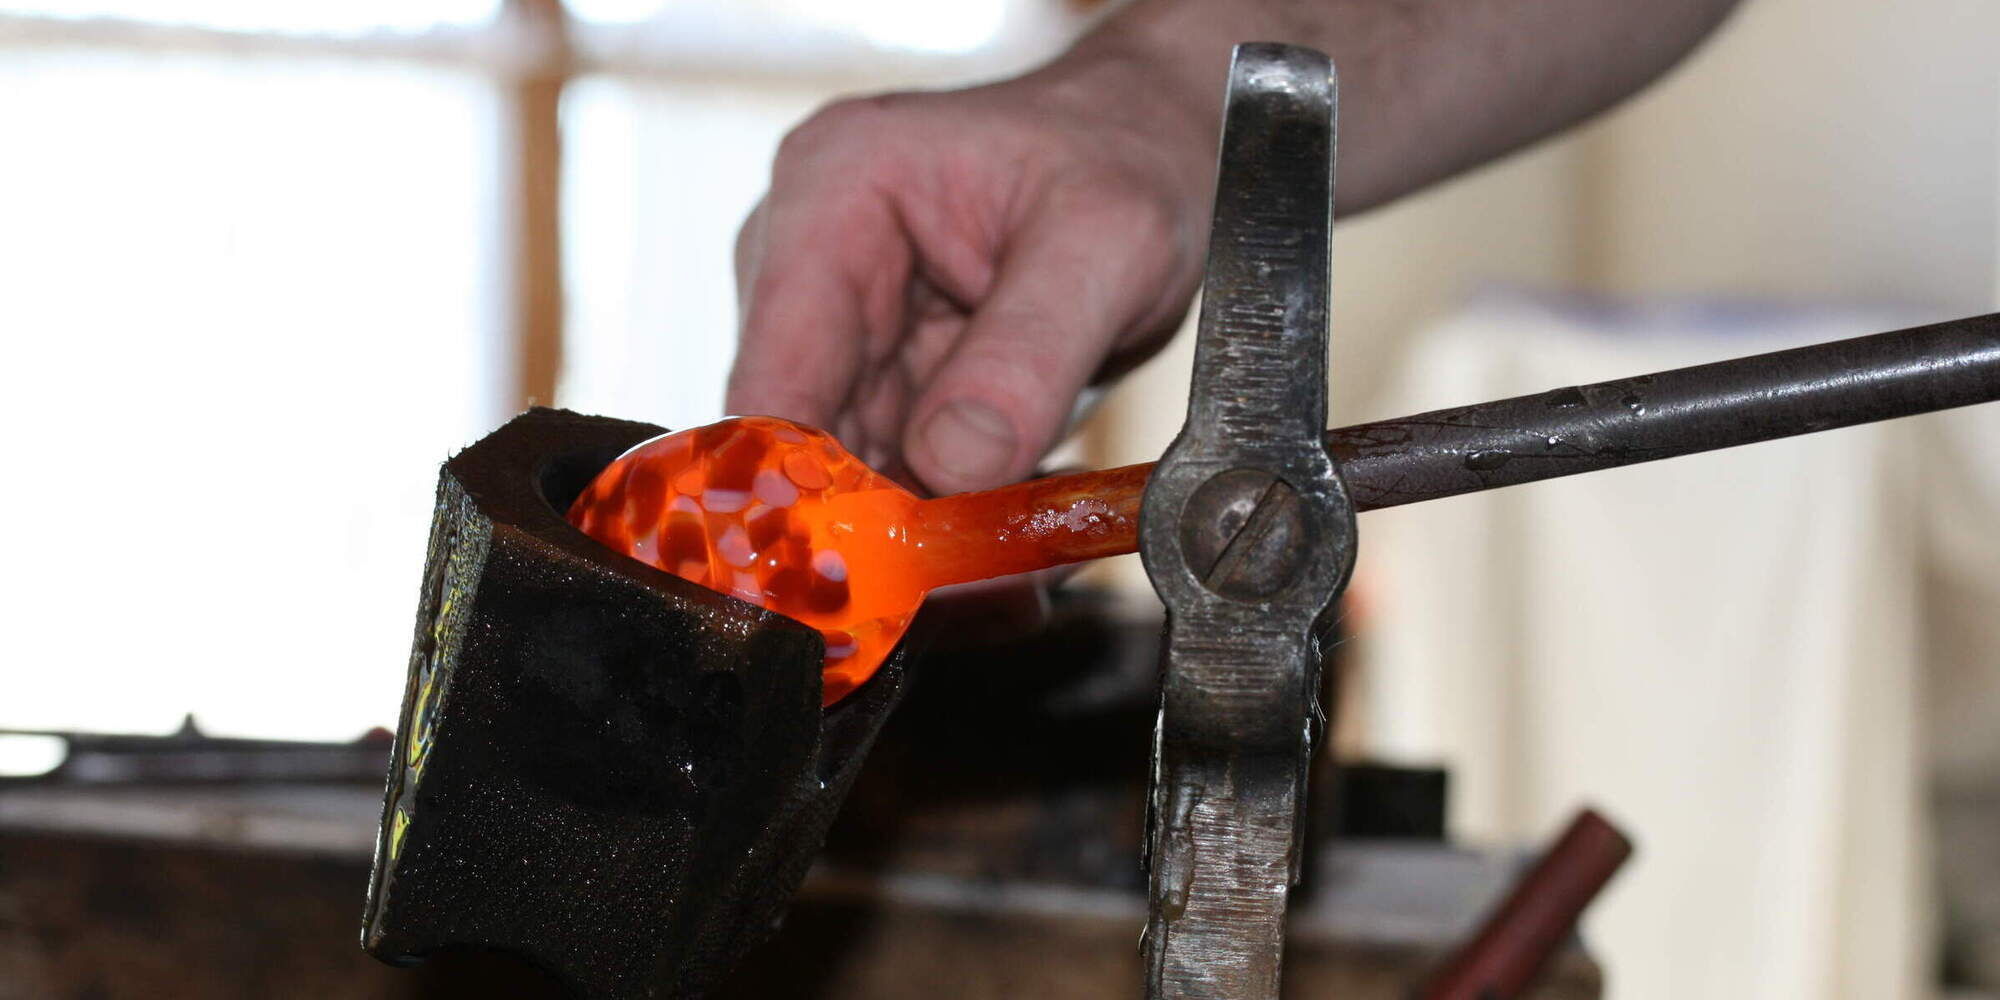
954,26
30,755
656,180
301,16
247,314
616,11
919,25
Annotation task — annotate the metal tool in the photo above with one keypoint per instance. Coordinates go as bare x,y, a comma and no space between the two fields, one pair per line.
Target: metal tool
1247,534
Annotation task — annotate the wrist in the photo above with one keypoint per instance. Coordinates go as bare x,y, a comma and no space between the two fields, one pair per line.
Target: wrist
1126,83
1179,52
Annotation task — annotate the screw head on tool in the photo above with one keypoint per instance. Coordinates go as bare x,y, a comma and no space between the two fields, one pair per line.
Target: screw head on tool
1245,534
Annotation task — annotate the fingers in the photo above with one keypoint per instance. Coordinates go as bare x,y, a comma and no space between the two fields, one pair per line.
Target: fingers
1088,266
821,266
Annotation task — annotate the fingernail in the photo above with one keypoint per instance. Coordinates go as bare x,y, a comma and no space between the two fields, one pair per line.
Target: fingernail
971,441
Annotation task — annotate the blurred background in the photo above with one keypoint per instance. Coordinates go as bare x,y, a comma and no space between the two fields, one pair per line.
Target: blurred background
263,266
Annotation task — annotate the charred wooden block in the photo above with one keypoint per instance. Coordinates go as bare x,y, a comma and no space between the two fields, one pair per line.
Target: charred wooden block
616,773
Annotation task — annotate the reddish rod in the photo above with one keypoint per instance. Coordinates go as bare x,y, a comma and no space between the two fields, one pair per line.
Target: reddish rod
1537,916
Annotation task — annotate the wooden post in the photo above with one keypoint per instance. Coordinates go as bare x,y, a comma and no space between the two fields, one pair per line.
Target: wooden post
532,158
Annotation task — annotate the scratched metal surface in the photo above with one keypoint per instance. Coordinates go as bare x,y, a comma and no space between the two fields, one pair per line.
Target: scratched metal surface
1247,535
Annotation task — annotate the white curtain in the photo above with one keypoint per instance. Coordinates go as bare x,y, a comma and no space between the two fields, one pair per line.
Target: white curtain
1727,652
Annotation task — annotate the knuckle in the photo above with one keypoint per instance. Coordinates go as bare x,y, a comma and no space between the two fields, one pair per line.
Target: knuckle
759,285
1121,206
839,123
1022,367
756,393
1154,218
744,250
807,139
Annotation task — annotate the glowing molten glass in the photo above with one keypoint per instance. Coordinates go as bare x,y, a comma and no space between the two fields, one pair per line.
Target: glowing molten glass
780,515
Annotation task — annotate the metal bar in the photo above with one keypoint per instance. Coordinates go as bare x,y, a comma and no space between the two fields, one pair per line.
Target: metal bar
1649,417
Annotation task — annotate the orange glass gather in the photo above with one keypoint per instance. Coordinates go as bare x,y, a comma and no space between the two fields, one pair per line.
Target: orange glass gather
782,516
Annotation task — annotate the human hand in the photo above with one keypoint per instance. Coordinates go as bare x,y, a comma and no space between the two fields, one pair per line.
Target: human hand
936,277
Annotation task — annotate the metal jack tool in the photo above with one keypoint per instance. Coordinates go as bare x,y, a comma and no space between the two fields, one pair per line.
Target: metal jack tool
1248,535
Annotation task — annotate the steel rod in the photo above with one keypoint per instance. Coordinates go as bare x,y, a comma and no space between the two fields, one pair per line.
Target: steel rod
1649,417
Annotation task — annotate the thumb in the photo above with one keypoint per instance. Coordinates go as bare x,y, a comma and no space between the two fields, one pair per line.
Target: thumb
1068,287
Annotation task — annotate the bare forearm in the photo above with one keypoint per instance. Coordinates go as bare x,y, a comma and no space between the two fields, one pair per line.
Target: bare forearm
1428,87
936,276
